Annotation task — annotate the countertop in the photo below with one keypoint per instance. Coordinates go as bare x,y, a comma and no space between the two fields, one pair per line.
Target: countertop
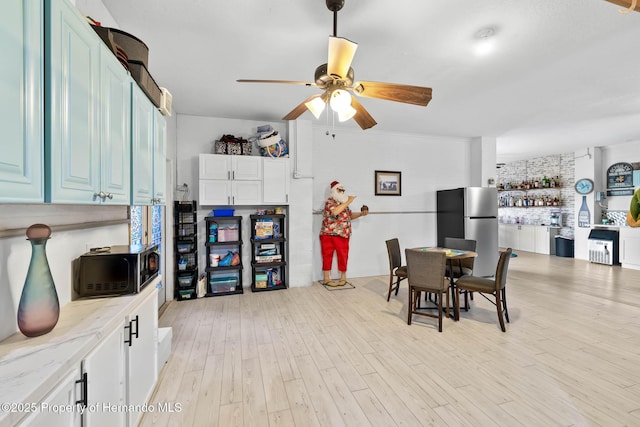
31,367
531,225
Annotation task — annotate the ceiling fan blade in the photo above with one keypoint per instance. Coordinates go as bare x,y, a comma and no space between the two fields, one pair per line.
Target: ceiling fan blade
362,117
416,95
289,82
626,3
341,53
299,109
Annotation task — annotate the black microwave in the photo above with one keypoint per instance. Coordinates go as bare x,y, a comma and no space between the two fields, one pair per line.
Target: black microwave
117,270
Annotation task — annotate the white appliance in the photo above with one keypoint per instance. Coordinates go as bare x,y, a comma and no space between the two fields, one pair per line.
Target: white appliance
600,251
603,246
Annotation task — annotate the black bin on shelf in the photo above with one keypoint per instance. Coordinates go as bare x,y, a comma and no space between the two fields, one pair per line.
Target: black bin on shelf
564,246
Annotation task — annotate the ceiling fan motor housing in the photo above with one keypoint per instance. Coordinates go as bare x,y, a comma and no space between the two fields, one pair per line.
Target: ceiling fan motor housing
323,80
335,5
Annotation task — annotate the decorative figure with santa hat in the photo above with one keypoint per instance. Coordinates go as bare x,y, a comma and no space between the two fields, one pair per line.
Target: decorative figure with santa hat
336,232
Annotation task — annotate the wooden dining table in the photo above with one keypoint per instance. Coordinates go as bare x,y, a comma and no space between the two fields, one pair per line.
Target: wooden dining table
452,255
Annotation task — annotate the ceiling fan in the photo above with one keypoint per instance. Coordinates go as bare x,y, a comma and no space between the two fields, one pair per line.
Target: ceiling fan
336,79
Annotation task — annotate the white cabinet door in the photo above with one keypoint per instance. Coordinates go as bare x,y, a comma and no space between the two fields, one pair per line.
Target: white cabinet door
275,185
64,395
214,192
142,354
510,236
545,240
527,238
630,247
542,236
246,192
246,168
230,180
214,166
21,162
104,367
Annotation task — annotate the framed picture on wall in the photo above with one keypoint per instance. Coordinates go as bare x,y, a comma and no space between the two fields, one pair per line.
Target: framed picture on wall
388,183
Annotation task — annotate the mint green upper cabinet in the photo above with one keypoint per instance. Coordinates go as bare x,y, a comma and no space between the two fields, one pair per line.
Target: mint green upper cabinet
115,165
71,105
142,133
21,162
159,159
87,120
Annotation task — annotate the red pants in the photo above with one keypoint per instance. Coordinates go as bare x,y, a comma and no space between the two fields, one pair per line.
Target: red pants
340,245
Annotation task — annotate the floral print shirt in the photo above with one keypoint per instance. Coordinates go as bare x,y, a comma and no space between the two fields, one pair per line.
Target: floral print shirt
335,225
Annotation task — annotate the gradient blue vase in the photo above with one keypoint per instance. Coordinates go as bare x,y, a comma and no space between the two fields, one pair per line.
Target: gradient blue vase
39,309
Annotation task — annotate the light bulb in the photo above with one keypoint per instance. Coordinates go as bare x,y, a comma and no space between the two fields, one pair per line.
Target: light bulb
340,101
346,113
316,106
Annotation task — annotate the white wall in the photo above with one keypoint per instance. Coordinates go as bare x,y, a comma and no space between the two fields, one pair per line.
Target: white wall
197,134
427,164
62,249
97,11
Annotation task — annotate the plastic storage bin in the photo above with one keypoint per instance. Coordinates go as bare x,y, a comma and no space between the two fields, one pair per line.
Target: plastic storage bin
185,281
223,212
228,234
223,284
564,246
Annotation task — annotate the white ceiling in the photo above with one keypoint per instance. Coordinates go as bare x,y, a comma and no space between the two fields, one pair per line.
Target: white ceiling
563,75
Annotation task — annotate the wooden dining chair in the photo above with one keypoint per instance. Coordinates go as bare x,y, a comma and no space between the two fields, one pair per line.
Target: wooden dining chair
496,287
425,271
464,266
397,271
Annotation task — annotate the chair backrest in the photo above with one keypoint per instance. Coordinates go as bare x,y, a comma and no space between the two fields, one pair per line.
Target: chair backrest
426,269
395,256
501,269
463,245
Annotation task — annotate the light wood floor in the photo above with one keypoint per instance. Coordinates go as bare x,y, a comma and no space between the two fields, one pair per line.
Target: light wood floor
313,357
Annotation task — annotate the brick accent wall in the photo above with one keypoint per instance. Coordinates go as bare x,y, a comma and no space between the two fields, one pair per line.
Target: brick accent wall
560,165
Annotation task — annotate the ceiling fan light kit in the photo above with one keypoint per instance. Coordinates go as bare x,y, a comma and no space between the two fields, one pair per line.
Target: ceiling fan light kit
336,79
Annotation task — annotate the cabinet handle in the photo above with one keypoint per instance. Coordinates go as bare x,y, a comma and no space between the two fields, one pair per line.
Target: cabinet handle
233,174
287,199
233,200
83,394
137,326
101,195
128,341
228,175
110,196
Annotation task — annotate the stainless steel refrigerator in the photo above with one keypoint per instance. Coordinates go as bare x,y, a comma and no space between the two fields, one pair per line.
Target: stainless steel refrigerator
471,213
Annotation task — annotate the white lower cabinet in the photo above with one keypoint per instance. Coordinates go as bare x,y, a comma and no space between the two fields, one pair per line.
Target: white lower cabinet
630,247
141,350
59,408
545,240
101,365
105,369
530,238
